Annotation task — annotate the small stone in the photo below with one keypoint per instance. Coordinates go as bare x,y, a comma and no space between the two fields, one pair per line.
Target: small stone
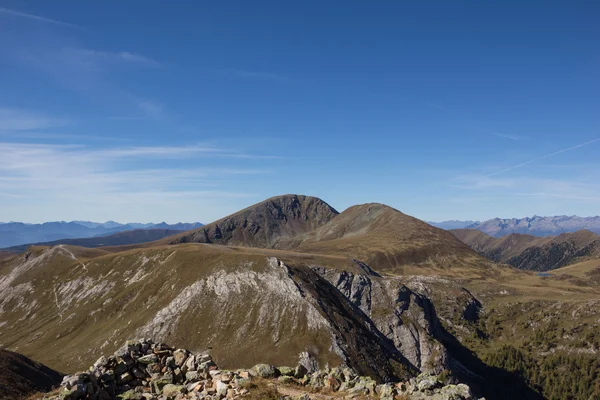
172,390
427,383
226,377
138,373
101,362
204,358
386,391
180,356
222,388
170,362
194,386
300,371
125,378
191,376
264,371
286,371
148,359
178,375
130,395
244,374
121,368
190,364
161,382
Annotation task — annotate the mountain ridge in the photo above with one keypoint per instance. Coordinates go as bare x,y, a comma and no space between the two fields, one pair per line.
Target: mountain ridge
532,252
124,238
535,225
19,233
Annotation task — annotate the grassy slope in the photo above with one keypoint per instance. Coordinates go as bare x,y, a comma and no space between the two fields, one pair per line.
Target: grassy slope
78,303
530,252
389,241
20,376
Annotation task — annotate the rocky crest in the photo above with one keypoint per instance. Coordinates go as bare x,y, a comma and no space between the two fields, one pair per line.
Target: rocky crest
264,224
146,370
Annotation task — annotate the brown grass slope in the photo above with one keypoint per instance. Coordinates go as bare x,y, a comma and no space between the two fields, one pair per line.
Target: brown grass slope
245,305
533,253
264,224
386,240
20,376
496,249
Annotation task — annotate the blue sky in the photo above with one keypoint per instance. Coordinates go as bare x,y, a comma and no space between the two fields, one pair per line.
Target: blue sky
192,110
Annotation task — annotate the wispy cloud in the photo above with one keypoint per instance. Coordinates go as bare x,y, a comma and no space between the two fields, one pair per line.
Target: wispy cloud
256,75
507,136
12,119
540,158
71,176
150,108
20,14
98,58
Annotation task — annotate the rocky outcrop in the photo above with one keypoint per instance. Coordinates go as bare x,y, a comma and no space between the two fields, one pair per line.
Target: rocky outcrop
406,318
143,369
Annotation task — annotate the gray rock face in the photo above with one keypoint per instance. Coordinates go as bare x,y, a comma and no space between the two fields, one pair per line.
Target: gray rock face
400,314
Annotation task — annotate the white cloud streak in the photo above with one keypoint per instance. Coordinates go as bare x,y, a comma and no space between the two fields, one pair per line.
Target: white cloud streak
540,158
507,136
35,17
12,119
256,75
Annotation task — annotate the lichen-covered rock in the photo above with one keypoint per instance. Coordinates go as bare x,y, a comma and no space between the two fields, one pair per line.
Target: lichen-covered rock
286,371
263,371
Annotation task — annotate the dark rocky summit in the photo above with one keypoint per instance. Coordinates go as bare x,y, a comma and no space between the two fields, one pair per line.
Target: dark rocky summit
264,224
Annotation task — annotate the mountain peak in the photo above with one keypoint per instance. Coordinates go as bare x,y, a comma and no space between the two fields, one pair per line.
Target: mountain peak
265,224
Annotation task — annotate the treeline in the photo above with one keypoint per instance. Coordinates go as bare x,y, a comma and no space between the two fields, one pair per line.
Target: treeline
557,376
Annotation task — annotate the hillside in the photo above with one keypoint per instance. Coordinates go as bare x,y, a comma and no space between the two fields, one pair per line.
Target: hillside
530,252
116,239
265,224
386,239
21,376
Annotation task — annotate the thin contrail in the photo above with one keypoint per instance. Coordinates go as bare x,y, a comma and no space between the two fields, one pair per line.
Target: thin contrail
540,158
35,17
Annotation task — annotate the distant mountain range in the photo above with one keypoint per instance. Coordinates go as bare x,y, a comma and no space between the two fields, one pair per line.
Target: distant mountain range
532,252
135,236
536,225
18,233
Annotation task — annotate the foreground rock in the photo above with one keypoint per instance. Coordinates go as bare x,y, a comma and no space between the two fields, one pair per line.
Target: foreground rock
147,370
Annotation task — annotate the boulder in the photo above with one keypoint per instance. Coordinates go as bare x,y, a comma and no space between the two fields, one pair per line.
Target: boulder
263,371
